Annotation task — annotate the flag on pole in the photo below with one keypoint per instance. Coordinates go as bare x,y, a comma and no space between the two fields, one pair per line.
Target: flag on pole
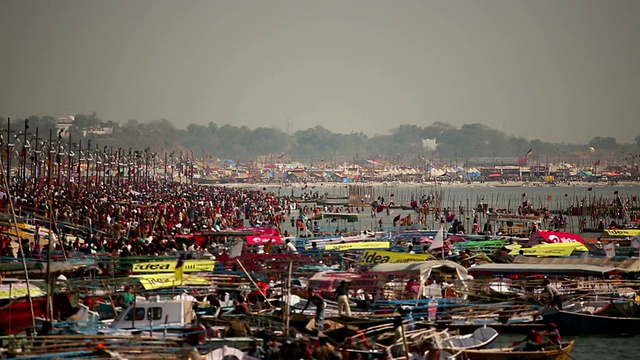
610,250
530,152
179,271
438,240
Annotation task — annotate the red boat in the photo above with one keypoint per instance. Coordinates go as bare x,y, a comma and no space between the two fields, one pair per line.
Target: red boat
15,307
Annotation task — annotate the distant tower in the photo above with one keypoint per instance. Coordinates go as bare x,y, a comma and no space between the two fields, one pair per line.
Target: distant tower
289,126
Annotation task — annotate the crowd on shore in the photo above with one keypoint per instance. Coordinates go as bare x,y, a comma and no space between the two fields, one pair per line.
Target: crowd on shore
148,217
142,219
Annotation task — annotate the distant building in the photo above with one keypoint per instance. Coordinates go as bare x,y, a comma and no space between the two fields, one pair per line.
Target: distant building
64,123
98,131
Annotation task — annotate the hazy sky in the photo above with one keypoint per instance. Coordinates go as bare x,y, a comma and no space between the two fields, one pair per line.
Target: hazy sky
557,70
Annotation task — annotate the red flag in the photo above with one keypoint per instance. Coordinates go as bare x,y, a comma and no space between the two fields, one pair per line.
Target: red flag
597,163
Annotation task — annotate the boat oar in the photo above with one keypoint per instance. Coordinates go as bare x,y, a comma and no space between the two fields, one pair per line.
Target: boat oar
560,348
254,283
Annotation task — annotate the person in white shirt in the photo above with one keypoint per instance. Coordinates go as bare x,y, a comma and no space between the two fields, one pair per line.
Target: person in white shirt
556,296
290,247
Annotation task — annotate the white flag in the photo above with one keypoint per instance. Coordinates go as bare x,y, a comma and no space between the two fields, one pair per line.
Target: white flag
236,250
610,250
438,240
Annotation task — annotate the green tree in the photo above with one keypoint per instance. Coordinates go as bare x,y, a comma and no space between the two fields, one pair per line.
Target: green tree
604,143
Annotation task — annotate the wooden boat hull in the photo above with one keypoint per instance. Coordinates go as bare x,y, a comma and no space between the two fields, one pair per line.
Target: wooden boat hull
506,354
571,323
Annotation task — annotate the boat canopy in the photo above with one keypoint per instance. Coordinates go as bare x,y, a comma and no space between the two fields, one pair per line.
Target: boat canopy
329,280
544,250
540,237
624,265
422,269
18,290
539,269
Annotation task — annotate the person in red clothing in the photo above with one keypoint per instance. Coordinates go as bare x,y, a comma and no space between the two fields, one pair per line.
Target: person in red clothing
551,335
532,342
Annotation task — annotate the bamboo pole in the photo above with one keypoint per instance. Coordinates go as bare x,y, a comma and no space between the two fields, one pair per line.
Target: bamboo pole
253,282
19,235
288,302
404,341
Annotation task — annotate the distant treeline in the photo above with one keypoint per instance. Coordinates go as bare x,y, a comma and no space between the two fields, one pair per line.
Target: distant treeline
403,145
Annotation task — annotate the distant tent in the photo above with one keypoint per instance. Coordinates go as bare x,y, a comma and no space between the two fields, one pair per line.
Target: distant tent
230,162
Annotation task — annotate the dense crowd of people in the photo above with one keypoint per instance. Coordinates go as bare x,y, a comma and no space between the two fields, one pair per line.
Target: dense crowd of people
141,219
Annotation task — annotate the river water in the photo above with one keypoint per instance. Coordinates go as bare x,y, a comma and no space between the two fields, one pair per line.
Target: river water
500,196
559,197
592,347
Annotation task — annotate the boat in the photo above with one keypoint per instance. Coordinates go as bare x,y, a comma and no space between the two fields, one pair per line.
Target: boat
562,353
577,323
348,217
16,312
478,339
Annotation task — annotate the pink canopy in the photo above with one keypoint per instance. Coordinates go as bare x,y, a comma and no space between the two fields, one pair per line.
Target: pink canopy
263,235
553,237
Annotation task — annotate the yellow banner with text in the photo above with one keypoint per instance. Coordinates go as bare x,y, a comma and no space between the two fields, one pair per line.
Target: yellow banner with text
159,281
623,232
170,266
375,257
